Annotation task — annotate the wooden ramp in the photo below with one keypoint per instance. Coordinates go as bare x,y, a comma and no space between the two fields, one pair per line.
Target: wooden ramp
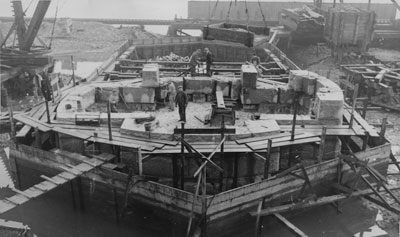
70,173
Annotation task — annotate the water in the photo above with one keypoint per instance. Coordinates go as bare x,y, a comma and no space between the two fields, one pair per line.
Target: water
54,215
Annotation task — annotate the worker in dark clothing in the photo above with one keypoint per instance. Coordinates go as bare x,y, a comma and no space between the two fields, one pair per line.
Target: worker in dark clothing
181,100
194,61
209,61
255,60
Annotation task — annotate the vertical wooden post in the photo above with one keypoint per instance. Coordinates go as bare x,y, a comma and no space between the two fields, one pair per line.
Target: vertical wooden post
268,159
80,193
140,161
38,141
47,111
296,102
322,145
365,106
369,5
383,130
15,170
109,121
12,125
221,174
353,107
73,70
116,205
175,171
182,171
257,231
365,141
334,3
72,193
204,204
235,171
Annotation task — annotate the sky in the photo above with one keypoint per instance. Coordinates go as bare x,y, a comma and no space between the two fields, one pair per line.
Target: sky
133,9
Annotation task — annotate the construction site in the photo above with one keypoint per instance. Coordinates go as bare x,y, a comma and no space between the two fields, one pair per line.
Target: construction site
241,115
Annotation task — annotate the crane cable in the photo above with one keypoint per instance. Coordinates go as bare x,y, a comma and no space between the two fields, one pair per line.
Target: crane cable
214,9
229,11
262,13
54,24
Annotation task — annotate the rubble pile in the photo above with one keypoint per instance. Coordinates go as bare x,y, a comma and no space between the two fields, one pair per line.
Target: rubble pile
172,58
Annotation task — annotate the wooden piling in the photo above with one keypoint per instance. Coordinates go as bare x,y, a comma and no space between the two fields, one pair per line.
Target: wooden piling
80,193
296,102
38,142
140,161
72,193
221,174
353,107
182,170
257,231
12,125
47,111
365,141
383,130
109,121
73,70
268,159
116,204
204,204
175,171
322,145
365,107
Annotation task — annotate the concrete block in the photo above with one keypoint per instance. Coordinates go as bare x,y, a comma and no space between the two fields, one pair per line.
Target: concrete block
329,106
249,76
236,89
302,81
199,85
286,95
138,94
331,86
151,75
263,94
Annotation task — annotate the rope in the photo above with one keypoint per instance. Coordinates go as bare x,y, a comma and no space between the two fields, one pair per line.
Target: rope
54,24
262,13
229,11
214,9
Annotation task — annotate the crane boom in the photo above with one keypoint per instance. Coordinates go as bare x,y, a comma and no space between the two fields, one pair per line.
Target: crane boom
35,23
19,21
396,4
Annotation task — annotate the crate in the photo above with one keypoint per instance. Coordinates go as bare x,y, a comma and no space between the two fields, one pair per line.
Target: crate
349,26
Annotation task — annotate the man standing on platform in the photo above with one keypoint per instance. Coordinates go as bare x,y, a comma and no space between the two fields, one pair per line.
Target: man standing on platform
209,61
181,100
194,61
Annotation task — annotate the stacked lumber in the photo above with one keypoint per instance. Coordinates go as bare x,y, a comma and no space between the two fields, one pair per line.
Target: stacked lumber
377,82
347,25
304,23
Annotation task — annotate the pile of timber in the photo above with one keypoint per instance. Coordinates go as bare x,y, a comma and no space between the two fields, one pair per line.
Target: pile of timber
346,26
236,33
380,84
304,23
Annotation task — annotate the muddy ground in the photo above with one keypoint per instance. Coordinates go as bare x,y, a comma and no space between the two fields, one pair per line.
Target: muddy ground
320,61
86,41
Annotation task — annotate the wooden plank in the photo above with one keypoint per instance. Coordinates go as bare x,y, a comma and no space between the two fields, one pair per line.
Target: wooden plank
215,130
290,225
286,143
263,138
220,99
33,123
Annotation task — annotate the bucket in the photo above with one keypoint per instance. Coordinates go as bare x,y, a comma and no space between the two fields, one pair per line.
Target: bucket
147,127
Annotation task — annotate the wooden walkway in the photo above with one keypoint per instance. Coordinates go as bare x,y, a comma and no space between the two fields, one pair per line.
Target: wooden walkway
70,173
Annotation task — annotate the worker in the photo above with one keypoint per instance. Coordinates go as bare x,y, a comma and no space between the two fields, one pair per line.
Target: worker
181,100
194,61
209,61
255,60
171,95
114,99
